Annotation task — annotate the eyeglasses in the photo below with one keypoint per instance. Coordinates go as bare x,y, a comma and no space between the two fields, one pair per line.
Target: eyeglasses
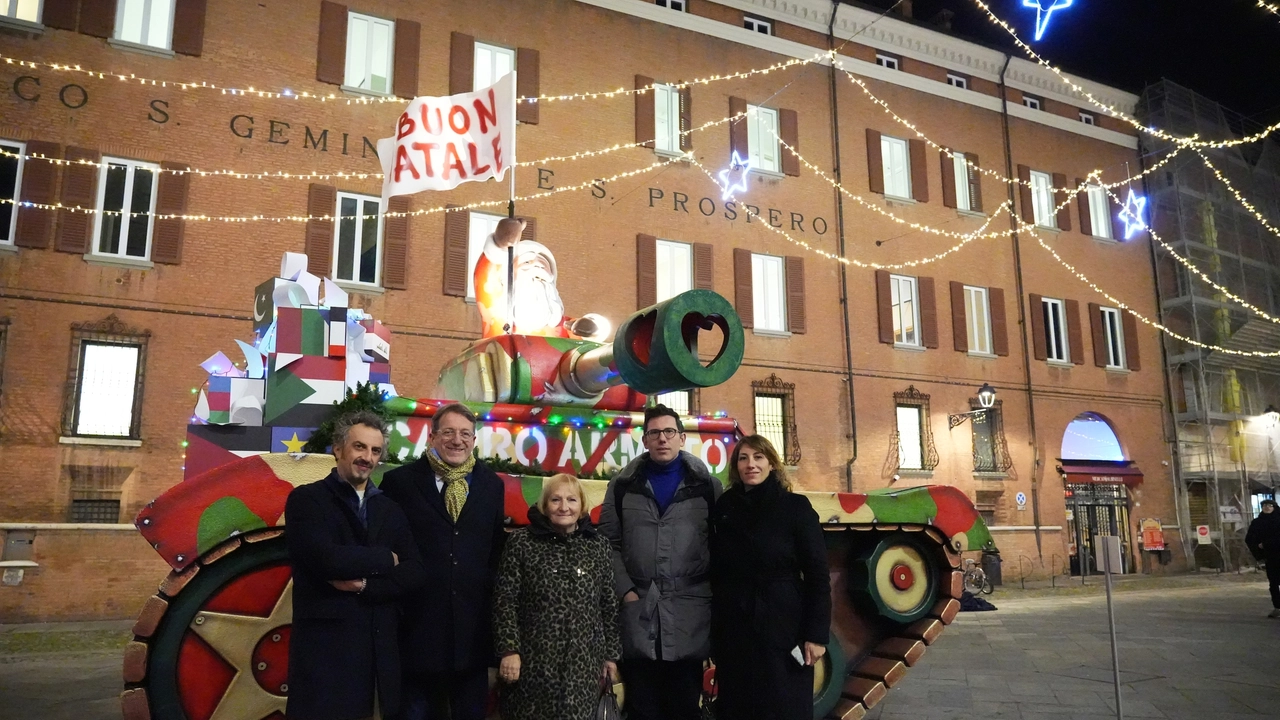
463,435
667,433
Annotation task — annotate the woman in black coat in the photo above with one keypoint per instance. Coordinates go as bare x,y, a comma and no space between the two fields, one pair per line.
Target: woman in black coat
770,591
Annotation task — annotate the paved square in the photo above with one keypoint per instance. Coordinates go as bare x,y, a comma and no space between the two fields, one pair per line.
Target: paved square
1200,652
1184,653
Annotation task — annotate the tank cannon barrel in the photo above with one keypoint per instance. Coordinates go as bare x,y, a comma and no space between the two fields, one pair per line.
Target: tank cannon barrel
656,350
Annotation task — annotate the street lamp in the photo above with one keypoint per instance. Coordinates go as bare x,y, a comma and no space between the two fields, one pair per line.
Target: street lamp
986,398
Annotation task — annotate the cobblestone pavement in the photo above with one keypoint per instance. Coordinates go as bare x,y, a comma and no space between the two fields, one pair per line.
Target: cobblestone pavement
1185,652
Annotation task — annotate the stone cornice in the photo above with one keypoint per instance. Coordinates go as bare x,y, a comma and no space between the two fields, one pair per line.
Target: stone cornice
910,40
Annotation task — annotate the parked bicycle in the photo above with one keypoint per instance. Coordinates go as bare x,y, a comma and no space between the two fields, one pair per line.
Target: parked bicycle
975,578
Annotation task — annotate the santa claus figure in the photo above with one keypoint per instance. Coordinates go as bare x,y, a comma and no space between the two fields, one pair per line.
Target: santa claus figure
535,307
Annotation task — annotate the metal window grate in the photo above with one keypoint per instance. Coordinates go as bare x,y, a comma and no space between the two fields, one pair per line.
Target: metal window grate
95,511
928,450
775,406
990,449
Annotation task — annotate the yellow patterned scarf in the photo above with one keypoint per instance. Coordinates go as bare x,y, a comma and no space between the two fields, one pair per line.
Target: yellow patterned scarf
455,482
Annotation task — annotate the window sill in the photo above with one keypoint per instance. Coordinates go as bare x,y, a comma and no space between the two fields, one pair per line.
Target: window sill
1046,228
8,249
140,49
982,355
115,261
895,200
770,174
1062,364
914,473
1105,240
103,441
990,475
26,26
971,213
770,333
669,154
1118,370
19,564
360,288
909,347
351,90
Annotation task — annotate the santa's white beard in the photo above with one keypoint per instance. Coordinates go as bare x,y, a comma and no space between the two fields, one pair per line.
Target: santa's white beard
537,304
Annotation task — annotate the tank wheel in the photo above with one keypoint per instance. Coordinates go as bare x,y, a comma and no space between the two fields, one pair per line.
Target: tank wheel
221,648
828,678
896,578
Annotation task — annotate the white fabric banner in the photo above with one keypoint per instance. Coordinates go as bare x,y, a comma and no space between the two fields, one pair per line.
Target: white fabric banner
442,142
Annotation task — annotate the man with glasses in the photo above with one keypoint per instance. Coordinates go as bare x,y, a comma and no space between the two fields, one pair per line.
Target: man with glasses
455,508
655,514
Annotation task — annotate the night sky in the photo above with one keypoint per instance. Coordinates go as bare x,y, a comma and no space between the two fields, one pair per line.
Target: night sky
1227,50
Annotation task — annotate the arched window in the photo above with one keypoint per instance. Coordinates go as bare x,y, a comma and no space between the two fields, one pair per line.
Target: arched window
1090,437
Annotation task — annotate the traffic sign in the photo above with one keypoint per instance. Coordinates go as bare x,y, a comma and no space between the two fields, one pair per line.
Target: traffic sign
1202,535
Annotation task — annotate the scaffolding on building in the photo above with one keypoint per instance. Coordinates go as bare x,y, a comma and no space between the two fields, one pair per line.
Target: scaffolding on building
1226,443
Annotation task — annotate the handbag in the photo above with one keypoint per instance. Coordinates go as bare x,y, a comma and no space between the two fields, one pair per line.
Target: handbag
709,692
607,705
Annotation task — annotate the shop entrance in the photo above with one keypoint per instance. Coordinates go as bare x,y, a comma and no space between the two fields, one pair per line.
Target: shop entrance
1095,509
1096,478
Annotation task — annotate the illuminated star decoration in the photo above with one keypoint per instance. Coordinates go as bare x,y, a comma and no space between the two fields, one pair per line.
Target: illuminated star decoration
1131,214
735,164
1044,10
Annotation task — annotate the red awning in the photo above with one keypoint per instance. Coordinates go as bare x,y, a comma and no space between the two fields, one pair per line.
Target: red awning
1113,474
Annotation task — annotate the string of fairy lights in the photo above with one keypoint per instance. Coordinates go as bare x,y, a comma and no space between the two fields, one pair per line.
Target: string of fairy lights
1239,197
1200,273
1193,141
1031,230
336,97
1273,9
329,218
965,238
340,175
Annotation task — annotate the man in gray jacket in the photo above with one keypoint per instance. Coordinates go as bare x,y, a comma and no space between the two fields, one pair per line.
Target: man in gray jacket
655,513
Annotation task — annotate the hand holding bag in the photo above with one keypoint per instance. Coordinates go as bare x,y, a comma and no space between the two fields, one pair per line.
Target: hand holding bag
607,705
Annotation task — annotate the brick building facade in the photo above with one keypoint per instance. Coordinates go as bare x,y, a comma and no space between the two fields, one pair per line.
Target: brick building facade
856,370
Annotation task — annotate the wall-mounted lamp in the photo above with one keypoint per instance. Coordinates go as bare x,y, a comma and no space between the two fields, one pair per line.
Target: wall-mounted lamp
986,398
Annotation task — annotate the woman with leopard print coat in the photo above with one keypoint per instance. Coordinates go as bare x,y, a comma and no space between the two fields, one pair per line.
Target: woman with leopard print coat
555,611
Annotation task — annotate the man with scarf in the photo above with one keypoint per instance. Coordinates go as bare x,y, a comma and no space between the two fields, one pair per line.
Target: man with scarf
455,508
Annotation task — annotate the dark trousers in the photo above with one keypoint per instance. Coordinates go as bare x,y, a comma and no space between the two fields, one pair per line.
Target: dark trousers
1273,579
458,695
662,689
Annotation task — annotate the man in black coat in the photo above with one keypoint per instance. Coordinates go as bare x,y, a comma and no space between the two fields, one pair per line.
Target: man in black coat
454,503
1263,540
353,557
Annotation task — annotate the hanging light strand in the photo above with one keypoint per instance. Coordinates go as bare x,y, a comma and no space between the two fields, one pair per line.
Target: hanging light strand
311,176
1139,316
1239,198
965,238
304,218
947,151
336,97
1069,192
1192,141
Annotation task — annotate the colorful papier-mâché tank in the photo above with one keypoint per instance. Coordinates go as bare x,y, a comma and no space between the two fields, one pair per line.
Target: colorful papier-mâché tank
212,644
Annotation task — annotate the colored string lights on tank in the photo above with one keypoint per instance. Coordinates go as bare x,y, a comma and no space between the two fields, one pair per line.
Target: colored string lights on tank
327,218
1139,316
1192,141
288,94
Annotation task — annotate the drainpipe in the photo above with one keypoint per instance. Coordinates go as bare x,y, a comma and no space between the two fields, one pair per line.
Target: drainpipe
844,269
1022,310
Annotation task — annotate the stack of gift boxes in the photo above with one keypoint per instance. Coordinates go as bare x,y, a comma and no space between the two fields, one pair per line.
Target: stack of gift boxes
307,351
